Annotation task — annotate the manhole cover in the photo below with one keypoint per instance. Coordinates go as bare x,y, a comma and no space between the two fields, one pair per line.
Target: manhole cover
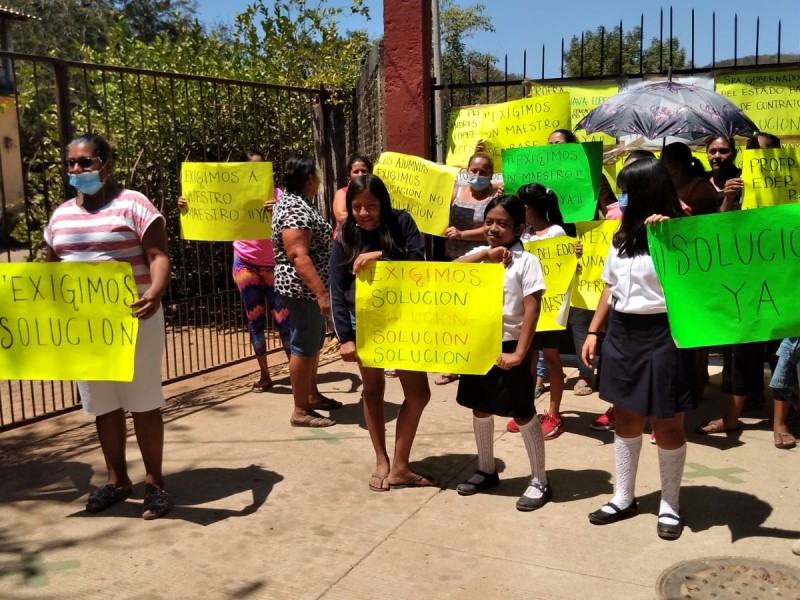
726,577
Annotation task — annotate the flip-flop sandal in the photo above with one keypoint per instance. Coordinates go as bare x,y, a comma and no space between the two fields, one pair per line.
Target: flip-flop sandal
261,386
784,441
156,504
537,393
714,427
417,481
312,420
378,488
582,389
445,378
106,495
325,403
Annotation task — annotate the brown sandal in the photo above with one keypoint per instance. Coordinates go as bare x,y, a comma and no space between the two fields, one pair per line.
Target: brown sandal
312,419
784,441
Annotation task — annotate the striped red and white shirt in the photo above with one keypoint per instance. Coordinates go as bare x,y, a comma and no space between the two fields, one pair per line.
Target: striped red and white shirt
114,232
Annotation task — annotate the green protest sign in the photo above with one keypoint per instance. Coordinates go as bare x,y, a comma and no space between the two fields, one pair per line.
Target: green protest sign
730,278
572,171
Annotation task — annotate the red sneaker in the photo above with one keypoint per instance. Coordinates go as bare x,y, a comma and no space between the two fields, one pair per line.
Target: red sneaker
552,426
604,422
512,426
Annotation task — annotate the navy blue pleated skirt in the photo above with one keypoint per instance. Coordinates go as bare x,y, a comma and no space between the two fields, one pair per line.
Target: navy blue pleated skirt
643,371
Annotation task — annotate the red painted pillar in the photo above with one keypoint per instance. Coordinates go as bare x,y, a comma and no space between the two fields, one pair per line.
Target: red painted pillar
407,51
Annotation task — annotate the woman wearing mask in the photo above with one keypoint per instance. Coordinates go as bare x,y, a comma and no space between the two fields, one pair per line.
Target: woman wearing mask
106,222
466,217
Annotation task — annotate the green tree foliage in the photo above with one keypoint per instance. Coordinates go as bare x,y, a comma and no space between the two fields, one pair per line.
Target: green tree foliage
457,25
601,54
66,28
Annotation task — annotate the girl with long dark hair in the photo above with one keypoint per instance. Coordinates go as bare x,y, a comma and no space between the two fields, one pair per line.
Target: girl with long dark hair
372,231
644,374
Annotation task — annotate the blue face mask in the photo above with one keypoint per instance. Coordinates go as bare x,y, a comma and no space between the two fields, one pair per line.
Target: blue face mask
478,182
87,183
623,201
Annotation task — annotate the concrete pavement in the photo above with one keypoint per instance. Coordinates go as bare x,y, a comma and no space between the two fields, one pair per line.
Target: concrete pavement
264,510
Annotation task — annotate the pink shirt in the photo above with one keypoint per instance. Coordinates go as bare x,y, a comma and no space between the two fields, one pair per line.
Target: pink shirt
114,232
257,252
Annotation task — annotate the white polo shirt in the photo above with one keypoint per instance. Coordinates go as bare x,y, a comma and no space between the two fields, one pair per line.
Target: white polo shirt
523,277
635,288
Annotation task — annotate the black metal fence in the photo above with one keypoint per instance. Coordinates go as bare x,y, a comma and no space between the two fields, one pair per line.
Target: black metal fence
601,58
156,121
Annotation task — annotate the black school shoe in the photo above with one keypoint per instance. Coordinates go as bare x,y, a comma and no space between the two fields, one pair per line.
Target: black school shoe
527,504
601,517
669,531
478,482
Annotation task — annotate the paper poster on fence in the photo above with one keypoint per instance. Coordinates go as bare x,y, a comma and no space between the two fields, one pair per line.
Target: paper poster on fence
770,98
515,124
771,177
572,171
419,186
226,201
583,99
558,259
428,316
67,320
595,237
730,278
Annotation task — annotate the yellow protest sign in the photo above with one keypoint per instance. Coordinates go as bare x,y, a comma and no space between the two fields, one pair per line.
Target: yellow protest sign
67,320
771,177
559,262
226,201
515,124
770,98
419,186
428,316
583,99
595,236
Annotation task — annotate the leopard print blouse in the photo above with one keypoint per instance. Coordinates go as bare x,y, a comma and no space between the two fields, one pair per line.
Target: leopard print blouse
295,212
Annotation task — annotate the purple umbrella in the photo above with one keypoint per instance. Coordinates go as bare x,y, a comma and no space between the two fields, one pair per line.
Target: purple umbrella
656,110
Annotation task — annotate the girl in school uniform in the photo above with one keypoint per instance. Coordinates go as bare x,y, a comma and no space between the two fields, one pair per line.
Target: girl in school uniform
544,221
507,389
644,374
373,231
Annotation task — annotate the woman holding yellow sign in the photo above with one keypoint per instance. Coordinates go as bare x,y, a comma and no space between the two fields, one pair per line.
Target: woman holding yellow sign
106,222
466,217
374,231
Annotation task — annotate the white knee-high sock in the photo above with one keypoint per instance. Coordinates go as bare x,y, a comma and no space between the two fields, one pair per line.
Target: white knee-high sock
484,439
626,461
534,444
670,466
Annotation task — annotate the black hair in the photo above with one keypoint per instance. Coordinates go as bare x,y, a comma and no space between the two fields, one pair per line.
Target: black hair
639,154
679,153
249,153
390,234
543,200
511,204
359,159
484,156
296,172
568,135
773,141
99,145
650,192
731,143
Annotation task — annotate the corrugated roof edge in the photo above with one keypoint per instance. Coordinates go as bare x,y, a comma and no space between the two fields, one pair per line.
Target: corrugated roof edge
10,13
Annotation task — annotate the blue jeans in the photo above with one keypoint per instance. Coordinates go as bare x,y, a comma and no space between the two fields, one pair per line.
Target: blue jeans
787,372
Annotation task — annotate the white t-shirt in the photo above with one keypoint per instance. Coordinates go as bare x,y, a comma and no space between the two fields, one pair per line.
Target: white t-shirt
635,288
553,231
523,277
